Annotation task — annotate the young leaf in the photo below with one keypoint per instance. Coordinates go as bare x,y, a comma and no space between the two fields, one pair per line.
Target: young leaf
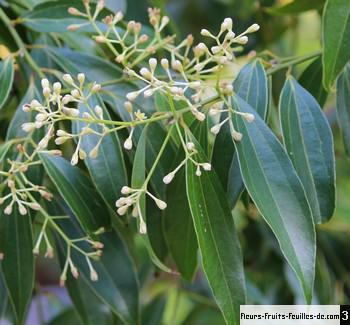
336,39
217,238
78,192
275,188
343,106
6,79
309,143
107,169
16,245
311,79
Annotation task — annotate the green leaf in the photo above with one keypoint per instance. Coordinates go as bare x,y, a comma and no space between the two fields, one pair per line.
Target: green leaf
296,7
343,106
252,86
67,317
53,16
6,79
336,39
107,170
217,238
276,190
311,79
178,220
4,148
16,244
78,191
309,143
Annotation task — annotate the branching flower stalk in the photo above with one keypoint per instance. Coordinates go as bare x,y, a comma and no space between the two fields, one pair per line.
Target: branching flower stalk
181,76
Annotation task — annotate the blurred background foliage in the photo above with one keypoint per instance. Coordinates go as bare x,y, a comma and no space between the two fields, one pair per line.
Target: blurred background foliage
286,30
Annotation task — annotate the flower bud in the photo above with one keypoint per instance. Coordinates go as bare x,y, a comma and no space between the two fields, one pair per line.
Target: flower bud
99,112
122,210
128,144
101,39
74,159
74,11
143,38
81,78
205,32
73,27
215,129
176,65
35,206
22,210
46,92
148,92
237,136
68,79
161,204
94,152
143,227
152,63
132,95
45,83
226,24
8,209
126,190
28,127
41,117
57,88
249,117
242,40
198,171
34,104
93,276
165,64
128,106
168,178
61,140
144,72
190,145
206,166
75,93
253,28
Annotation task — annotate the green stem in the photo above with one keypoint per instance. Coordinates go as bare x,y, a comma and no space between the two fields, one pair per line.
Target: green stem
20,44
293,62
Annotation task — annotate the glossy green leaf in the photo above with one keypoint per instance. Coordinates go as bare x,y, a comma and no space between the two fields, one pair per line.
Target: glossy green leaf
78,191
343,106
309,143
277,192
152,313
217,238
53,16
178,220
311,79
6,79
3,296
16,245
251,85
67,317
107,170
336,39
296,7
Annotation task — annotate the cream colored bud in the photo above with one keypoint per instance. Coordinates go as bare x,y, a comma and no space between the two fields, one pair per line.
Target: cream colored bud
75,93
126,190
176,65
96,88
101,39
190,145
205,32
61,133
230,35
132,95
61,140
99,112
41,117
34,104
74,272
226,24
165,20
38,124
122,210
143,227
68,79
206,166
148,92
28,127
153,63
144,72
237,136
94,152
67,99
35,206
118,16
195,84
128,144
161,204
120,58
165,64
168,178
8,209
74,11
128,106
143,38
73,27
100,5
216,49
253,28
46,92
22,210
87,115
200,116
81,78
249,117
74,159
45,83
82,154
198,171
93,276
242,40
215,129
57,87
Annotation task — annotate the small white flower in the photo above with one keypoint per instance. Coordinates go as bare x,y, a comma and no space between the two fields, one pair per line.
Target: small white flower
122,210
237,136
81,78
46,92
253,28
153,63
128,144
165,64
143,227
126,190
206,166
242,40
45,83
215,129
190,145
226,24
74,159
144,72
198,171
132,95
68,79
57,88
99,112
161,204
249,117
28,127
205,32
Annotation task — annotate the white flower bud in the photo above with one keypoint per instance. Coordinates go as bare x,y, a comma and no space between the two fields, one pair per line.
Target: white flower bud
46,92
61,133
68,79
153,63
165,20
215,129
148,92
242,40
128,144
206,166
75,93
237,136
8,209
61,140
57,88
161,204
45,83
253,28
195,84
201,47
216,49
198,171
118,16
199,116
26,108
96,88
74,159
94,152
82,154
93,276
143,227
66,99
22,210
99,112
38,124
168,178
81,78
213,111
41,117
35,206
248,117
176,65
144,72
190,145
44,142
28,127
205,32
226,24
87,115
122,210
126,190
34,104
132,95
120,202
165,64
230,35
73,112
